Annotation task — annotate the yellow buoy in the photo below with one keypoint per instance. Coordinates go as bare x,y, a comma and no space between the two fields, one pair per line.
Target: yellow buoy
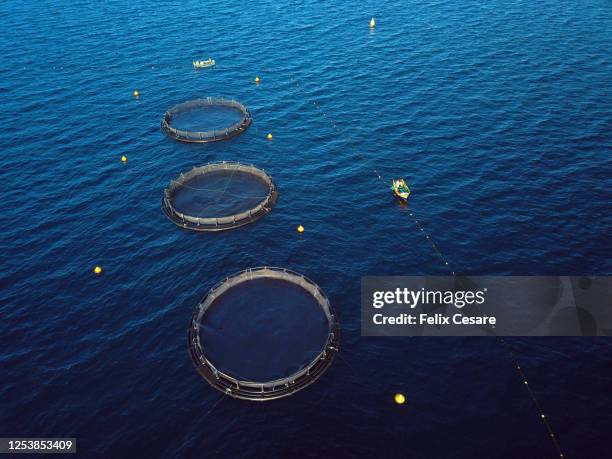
269,136
257,80
124,159
98,270
400,399
136,93
300,229
372,23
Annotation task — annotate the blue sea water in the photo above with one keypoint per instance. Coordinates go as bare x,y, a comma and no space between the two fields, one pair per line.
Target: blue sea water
217,195
499,113
202,119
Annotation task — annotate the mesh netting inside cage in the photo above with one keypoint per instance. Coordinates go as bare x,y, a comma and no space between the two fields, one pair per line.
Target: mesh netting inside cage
206,120
219,196
262,334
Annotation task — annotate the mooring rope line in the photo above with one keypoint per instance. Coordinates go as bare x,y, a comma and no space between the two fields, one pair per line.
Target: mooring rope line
446,264
217,403
543,418
228,181
433,244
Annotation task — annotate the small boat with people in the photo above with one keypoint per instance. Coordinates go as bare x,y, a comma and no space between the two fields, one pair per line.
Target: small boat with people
400,189
204,64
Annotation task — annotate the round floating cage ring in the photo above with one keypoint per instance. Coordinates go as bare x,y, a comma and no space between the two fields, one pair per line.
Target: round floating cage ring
206,120
263,333
219,196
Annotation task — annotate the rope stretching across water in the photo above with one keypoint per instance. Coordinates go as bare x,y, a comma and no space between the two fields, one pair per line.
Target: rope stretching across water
446,264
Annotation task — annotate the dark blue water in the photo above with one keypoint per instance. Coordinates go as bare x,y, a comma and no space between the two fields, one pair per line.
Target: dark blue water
263,330
204,119
220,194
499,114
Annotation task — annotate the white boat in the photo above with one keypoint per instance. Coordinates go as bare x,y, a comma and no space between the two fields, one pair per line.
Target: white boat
204,64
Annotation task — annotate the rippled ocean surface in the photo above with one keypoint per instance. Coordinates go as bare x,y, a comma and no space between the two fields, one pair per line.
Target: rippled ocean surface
499,113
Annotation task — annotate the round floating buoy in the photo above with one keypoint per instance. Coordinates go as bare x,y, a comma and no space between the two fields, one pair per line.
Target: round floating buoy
98,270
136,93
257,80
400,399
300,229
269,136
124,159
372,23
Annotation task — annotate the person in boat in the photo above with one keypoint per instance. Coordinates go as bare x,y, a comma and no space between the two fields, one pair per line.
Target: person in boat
399,183
400,188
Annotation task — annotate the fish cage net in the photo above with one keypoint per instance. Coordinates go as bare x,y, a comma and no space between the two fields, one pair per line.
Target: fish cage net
263,334
219,196
206,120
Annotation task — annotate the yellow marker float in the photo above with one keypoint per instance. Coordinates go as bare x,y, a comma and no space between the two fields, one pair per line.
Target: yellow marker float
372,23
300,229
98,270
399,398
136,93
269,136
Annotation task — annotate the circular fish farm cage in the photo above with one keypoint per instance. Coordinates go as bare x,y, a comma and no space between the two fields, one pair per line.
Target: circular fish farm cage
206,120
219,196
263,334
